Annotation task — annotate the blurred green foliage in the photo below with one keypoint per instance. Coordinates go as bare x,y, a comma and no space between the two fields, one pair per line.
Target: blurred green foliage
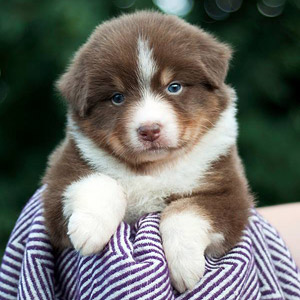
37,39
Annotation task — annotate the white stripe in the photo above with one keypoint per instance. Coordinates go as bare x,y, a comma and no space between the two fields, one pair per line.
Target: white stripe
38,276
265,261
13,262
133,274
7,296
252,278
146,279
7,286
239,269
146,64
168,292
14,252
157,282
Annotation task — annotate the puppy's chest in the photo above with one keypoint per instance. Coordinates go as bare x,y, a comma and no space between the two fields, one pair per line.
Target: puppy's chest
146,194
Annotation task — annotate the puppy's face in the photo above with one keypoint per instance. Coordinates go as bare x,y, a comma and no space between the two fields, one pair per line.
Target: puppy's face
146,86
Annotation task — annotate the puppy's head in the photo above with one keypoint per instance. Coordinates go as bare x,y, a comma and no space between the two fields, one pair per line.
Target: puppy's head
146,86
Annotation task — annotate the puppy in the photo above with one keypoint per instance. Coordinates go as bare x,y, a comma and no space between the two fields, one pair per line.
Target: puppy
151,128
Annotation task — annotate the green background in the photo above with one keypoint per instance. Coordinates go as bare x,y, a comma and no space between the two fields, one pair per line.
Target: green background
37,39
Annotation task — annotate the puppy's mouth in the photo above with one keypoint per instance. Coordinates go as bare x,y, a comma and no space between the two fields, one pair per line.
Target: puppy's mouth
159,146
158,150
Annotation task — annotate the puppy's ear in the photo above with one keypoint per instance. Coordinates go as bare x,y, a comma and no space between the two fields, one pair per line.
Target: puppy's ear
215,57
73,85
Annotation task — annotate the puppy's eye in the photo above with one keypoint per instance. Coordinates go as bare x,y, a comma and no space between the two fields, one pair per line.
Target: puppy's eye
174,88
117,99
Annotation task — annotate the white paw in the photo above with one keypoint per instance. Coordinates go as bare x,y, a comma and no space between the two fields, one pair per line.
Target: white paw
94,207
89,233
185,270
185,237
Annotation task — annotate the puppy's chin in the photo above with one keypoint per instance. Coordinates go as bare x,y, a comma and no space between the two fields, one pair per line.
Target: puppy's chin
153,155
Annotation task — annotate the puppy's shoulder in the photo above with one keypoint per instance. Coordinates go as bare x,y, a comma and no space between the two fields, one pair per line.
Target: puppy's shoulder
65,163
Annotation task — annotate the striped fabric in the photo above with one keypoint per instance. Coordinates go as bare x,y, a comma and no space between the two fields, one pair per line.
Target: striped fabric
133,266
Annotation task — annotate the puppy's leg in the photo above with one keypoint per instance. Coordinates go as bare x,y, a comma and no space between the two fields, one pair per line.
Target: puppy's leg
94,207
186,233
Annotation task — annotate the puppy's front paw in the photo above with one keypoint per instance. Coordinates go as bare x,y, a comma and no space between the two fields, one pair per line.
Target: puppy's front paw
94,207
89,233
185,270
185,237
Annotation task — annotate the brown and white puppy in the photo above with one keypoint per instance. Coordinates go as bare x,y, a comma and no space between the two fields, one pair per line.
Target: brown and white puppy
151,127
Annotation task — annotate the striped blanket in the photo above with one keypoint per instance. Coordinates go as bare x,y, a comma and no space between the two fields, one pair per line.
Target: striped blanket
133,265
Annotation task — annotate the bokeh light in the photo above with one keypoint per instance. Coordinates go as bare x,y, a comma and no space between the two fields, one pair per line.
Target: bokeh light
175,7
229,5
273,3
271,8
214,11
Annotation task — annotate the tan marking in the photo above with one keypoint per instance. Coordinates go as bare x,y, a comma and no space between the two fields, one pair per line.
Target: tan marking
166,76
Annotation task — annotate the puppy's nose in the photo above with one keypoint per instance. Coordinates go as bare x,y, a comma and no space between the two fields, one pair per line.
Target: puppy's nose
149,132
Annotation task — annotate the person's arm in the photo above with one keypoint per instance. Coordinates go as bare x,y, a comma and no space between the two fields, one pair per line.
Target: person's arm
286,219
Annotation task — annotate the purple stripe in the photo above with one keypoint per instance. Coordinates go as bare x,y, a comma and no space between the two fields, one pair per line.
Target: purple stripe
38,229
64,272
255,288
8,292
9,283
148,238
160,250
289,282
118,239
7,263
127,238
252,278
236,281
25,282
98,271
9,274
13,257
26,218
266,265
16,249
290,292
21,289
209,279
160,275
138,249
34,259
29,270
71,282
166,288
129,281
146,232
50,280
267,227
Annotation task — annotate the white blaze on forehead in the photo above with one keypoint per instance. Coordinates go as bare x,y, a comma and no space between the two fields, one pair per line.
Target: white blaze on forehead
146,63
151,108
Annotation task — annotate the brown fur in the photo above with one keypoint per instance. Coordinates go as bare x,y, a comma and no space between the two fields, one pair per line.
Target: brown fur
65,166
105,64
225,200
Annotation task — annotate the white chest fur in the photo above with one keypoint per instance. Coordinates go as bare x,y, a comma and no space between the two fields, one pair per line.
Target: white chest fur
146,193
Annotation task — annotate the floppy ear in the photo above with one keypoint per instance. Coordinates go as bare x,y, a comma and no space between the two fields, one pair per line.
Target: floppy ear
73,85
215,57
